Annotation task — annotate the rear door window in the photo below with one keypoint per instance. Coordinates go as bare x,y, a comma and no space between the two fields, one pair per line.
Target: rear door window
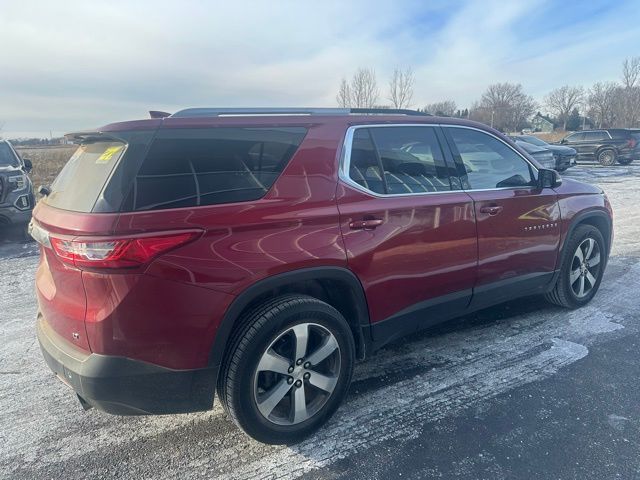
79,184
398,160
193,167
595,136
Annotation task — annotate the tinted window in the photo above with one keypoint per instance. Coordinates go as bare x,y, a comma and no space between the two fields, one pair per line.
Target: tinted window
186,168
574,137
533,140
489,162
7,157
595,136
364,168
409,158
79,184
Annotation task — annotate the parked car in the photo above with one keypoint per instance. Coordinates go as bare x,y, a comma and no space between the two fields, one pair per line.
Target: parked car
16,191
605,146
565,157
260,252
544,156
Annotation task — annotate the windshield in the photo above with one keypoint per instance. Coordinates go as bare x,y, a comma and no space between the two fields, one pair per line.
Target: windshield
534,140
7,157
82,179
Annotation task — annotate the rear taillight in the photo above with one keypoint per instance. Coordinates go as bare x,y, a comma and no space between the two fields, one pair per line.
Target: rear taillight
632,142
128,252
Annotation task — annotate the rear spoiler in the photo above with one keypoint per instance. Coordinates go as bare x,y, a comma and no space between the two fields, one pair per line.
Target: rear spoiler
91,136
158,114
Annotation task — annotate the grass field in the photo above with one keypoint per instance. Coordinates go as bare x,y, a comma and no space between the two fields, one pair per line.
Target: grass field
47,161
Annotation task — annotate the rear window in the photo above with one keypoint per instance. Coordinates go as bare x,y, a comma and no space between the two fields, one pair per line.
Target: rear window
79,184
192,167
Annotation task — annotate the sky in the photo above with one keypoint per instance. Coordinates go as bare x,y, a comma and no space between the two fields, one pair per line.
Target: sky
76,64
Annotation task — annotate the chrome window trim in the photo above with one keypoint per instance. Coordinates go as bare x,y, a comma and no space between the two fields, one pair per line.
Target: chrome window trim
345,160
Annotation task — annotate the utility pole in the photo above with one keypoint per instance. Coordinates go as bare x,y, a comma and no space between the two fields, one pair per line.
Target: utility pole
492,118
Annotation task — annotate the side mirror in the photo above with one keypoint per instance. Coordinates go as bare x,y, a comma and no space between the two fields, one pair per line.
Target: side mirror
28,165
563,141
548,178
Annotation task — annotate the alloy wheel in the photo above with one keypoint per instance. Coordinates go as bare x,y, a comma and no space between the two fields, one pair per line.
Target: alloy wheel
297,374
585,267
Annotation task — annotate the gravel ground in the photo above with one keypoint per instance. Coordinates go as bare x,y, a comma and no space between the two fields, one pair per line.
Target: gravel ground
516,391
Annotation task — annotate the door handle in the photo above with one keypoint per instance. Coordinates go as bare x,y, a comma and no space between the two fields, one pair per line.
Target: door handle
365,224
491,210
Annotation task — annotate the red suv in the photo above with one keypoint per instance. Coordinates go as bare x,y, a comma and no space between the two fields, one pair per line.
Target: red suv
259,253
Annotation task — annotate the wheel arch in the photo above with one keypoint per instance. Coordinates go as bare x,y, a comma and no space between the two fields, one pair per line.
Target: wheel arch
337,286
596,218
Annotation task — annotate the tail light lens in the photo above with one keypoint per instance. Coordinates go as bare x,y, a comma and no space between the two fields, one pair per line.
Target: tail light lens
129,252
632,142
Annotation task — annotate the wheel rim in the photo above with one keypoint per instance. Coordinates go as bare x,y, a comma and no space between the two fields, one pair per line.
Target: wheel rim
606,158
585,267
297,374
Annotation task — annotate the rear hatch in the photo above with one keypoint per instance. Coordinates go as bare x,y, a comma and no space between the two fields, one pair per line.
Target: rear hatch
69,211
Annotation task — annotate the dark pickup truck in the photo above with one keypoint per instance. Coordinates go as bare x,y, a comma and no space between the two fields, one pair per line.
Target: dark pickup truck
16,191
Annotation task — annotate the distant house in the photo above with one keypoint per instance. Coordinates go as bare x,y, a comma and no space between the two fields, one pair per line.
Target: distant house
542,123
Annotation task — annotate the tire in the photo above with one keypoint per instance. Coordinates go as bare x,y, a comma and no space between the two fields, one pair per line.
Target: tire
21,233
567,290
607,157
261,366
625,161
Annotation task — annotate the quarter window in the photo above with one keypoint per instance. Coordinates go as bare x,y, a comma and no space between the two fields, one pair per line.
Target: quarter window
398,160
489,163
186,168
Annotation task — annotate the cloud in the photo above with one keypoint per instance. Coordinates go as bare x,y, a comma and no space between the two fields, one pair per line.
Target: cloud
83,64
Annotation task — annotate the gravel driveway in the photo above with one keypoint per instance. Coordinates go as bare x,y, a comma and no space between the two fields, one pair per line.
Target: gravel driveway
519,390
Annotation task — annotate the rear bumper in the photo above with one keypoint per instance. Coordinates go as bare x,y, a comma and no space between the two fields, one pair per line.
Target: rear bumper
123,386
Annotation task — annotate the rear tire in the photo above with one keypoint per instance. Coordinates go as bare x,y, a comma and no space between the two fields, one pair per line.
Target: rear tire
607,157
583,264
288,369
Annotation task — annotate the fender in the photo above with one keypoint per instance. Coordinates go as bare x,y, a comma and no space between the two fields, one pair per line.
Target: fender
361,326
581,217
575,221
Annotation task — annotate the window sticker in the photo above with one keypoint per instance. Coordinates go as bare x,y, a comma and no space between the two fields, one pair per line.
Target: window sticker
108,154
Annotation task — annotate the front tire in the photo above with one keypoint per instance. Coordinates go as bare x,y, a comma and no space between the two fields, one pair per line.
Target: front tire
583,265
288,369
607,157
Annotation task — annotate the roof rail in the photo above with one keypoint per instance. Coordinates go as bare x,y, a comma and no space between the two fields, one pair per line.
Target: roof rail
229,112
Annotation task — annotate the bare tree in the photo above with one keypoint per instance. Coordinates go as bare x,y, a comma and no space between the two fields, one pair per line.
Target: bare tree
563,100
445,108
361,92
630,72
504,106
401,88
344,94
601,102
